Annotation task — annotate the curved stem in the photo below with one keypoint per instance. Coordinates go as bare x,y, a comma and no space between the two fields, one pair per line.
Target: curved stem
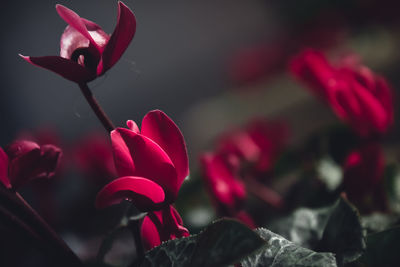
101,115
14,209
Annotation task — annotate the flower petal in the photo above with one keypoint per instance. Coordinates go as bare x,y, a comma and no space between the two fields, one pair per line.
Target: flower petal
75,21
4,169
122,157
119,40
66,68
157,126
162,225
144,193
151,161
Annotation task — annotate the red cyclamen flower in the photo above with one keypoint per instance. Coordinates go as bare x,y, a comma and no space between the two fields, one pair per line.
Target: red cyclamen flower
356,94
152,163
227,192
23,161
86,50
259,144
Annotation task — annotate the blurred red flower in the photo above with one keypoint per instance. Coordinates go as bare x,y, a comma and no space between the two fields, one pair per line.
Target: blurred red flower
23,161
86,50
358,96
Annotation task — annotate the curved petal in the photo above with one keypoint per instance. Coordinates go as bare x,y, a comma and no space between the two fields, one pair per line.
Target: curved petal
151,161
122,157
144,193
119,40
149,233
66,68
75,21
4,169
162,225
157,126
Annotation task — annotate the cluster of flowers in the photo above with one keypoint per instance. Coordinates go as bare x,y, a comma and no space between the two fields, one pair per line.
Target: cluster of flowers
151,163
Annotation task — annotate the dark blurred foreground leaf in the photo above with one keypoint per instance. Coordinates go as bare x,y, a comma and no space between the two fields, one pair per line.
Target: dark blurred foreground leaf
279,252
343,234
222,243
383,248
335,229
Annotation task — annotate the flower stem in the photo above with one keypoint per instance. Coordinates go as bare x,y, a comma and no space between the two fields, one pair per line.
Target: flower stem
264,193
101,115
134,225
16,212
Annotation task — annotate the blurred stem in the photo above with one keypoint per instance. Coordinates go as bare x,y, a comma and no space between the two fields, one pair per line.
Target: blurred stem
263,192
101,115
16,211
134,225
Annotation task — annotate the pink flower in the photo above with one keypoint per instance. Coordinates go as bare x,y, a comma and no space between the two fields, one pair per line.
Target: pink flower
94,157
152,163
227,191
86,50
363,178
162,225
259,144
23,161
358,96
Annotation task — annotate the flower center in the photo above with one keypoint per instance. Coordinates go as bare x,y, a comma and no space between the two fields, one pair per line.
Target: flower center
83,57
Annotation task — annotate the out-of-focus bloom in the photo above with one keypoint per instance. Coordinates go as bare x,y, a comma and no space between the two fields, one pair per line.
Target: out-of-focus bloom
358,96
23,161
152,163
259,145
227,192
363,178
252,64
93,156
86,50
162,225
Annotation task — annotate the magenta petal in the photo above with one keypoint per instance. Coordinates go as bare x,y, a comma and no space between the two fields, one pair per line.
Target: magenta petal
119,40
157,126
4,169
151,161
75,21
122,157
162,225
64,67
144,193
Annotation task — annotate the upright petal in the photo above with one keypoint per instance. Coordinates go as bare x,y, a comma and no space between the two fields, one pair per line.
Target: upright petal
145,194
151,161
122,157
66,68
119,40
4,169
157,126
75,21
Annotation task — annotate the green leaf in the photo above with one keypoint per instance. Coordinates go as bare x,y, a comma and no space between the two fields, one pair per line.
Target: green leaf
281,252
378,222
343,234
336,229
222,243
383,248
304,227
